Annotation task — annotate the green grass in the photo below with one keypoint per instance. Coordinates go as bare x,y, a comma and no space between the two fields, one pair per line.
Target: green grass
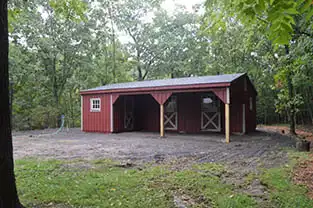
103,184
284,193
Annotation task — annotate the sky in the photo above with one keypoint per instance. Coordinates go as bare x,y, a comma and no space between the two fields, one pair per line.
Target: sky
169,5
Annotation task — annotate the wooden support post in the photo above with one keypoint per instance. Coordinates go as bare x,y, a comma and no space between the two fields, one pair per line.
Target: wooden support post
227,123
161,120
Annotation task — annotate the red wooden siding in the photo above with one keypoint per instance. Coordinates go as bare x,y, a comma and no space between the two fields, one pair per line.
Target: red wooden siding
97,121
115,97
118,115
221,93
189,112
239,96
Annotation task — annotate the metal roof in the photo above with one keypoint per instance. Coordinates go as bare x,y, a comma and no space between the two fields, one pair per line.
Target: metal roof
225,78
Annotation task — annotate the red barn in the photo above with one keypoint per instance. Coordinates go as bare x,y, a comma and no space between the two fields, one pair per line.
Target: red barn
221,103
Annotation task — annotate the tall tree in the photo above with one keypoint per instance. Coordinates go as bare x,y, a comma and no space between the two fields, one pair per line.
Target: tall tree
283,22
134,18
8,192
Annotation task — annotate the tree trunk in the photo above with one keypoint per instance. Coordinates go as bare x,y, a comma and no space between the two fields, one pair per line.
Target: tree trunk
292,115
140,76
303,145
114,45
8,192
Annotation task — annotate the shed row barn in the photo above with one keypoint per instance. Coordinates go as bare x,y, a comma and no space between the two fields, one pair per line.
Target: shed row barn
221,103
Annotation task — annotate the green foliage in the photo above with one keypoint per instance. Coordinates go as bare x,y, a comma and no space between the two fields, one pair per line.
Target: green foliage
282,76
50,62
58,48
286,104
69,9
278,17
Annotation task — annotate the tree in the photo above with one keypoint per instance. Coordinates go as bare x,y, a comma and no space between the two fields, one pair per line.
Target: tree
8,192
283,23
131,18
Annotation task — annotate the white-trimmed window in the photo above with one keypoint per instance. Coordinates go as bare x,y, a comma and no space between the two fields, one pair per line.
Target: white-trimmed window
245,84
95,104
251,103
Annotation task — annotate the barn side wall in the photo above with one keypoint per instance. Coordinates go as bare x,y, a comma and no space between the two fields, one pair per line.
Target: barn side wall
241,95
97,121
251,114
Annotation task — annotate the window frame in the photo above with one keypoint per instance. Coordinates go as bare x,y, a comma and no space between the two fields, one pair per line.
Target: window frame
251,105
92,105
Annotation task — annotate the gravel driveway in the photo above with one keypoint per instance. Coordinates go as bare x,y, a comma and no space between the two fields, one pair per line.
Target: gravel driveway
141,146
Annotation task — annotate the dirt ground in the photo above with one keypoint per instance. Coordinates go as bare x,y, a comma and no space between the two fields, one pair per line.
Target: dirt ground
243,156
302,131
141,146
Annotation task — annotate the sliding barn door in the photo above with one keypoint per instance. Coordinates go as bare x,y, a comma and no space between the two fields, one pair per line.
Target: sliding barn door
210,113
129,113
170,114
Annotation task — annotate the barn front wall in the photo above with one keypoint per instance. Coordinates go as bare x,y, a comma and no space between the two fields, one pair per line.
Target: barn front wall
96,121
146,110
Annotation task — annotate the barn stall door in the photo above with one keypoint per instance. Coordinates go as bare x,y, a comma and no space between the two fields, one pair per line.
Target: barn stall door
210,113
170,114
129,113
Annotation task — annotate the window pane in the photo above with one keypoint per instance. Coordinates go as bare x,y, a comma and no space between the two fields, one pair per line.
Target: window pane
95,104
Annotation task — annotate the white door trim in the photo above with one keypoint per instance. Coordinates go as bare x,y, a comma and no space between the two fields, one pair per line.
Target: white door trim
210,113
243,118
111,114
228,95
81,113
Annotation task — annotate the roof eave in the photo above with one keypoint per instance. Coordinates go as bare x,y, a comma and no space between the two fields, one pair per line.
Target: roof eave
152,89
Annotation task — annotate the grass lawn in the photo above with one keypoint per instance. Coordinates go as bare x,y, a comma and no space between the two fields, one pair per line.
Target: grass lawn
103,184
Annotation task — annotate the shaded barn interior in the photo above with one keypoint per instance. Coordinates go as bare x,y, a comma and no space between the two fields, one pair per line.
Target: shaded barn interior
142,113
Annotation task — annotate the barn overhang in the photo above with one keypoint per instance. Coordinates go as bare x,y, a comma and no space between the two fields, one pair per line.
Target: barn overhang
148,90
162,96
223,93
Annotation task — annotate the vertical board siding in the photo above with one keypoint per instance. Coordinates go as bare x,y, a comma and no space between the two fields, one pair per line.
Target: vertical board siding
241,96
236,117
221,93
96,121
118,115
189,112
150,114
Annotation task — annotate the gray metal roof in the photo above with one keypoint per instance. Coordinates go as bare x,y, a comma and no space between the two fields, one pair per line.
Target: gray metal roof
225,78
